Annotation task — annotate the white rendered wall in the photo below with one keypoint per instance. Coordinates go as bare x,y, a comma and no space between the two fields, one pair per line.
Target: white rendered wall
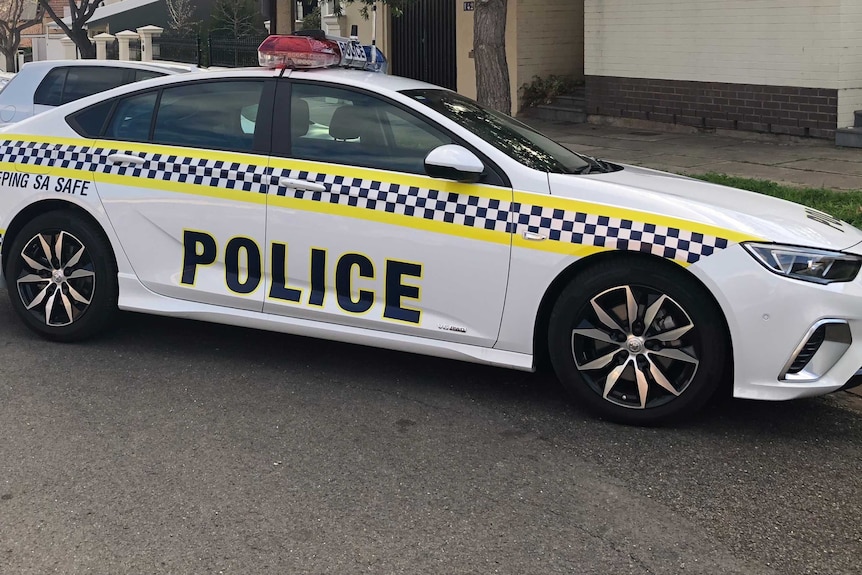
771,42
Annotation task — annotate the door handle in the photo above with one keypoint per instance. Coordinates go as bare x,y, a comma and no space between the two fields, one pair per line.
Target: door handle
126,159
302,185
533,236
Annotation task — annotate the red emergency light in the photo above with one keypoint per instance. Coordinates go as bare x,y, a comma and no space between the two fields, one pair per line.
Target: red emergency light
298,52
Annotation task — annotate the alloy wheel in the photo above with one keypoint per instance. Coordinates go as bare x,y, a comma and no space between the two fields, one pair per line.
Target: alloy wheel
635,346
57,278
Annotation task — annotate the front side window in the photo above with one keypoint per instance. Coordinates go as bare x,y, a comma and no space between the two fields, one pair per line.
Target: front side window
516,140
353,128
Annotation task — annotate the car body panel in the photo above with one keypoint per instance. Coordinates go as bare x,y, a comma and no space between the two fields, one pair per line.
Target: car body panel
480,289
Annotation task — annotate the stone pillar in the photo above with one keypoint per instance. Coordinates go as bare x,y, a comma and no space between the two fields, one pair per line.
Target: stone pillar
102,45
70,51
147,34
124,38
329,19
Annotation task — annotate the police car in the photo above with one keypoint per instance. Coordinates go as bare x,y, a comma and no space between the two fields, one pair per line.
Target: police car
343,204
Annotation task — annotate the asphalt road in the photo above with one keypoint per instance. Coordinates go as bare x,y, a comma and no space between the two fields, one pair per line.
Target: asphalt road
179,447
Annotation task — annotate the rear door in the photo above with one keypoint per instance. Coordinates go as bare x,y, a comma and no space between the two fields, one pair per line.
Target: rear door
182,178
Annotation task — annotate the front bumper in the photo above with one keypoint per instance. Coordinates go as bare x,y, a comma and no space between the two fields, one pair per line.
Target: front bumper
771,319
854,381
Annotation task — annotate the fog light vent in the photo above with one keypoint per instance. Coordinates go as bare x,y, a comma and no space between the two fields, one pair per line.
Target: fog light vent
823,345
808,350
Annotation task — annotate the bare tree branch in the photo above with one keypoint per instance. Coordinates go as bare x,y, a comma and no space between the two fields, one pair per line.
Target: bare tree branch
180,14
14,18
80,12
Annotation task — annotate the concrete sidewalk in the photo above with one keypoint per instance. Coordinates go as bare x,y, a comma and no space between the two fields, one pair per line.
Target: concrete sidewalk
796,162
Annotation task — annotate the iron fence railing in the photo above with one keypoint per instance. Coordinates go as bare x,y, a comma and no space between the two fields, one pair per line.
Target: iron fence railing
233,52
185,49
212,51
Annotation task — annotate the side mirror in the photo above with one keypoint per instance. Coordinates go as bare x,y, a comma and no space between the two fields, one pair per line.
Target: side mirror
453,162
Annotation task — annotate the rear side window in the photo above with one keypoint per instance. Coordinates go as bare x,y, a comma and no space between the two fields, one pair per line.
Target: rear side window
132,118
84,81
67,84
90,121
50,91
146,75
217,115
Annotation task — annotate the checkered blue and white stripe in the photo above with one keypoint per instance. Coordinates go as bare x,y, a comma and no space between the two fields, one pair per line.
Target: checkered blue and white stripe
567,226
426,203
616,233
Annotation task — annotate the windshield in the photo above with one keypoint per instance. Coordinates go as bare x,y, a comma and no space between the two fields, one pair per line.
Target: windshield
518,141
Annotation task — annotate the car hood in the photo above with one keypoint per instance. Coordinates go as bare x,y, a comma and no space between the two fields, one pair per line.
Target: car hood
748,213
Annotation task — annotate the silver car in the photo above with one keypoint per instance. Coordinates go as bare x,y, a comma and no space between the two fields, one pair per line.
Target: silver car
41,86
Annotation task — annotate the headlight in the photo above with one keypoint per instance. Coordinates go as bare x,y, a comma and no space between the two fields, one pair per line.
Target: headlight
807,264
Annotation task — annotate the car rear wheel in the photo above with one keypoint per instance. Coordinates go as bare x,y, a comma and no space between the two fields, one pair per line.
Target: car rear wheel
62,277
637,341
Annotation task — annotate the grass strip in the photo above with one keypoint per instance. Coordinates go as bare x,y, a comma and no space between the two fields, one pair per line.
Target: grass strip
845,206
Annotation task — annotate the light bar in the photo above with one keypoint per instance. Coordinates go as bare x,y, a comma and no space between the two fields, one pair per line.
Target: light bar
298,52
313,49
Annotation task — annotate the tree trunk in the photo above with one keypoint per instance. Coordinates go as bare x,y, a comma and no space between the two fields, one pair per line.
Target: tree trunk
10,61
489,52
82,41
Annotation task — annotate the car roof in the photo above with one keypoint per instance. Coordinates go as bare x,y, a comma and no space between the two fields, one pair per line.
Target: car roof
362,79
168,67
372,81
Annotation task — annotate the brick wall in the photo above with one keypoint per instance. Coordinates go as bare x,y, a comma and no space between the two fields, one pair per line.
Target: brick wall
751,107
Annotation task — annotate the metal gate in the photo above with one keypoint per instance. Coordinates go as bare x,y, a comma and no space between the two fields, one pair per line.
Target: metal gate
423,42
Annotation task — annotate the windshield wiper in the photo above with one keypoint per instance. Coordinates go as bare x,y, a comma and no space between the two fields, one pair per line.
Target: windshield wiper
593,165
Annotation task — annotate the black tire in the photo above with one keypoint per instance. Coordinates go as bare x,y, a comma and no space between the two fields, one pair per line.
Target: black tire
69,298
623,371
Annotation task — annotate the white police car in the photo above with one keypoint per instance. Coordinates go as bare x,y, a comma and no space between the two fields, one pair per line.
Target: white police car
354,206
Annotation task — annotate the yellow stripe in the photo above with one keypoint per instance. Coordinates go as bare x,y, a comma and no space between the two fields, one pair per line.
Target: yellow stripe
11,137
182,188
414,222
45,170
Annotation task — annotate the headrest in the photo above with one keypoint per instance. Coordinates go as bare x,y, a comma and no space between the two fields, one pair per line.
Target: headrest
299,118
346,123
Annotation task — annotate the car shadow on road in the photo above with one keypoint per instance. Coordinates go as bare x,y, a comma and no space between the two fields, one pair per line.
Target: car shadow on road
399,373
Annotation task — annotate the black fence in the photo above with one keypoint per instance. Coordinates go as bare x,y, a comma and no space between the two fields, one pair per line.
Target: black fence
112,50
212,51
233,52
178,49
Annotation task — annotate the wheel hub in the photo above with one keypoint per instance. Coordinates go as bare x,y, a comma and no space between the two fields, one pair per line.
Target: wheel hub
635,345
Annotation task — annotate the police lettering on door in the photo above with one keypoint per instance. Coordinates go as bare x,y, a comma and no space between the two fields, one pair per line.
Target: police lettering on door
201,249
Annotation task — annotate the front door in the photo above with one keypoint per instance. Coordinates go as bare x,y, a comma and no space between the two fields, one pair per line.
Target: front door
359,235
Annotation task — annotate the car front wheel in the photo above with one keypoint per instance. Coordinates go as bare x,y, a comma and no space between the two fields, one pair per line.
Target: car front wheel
62,277
638,341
